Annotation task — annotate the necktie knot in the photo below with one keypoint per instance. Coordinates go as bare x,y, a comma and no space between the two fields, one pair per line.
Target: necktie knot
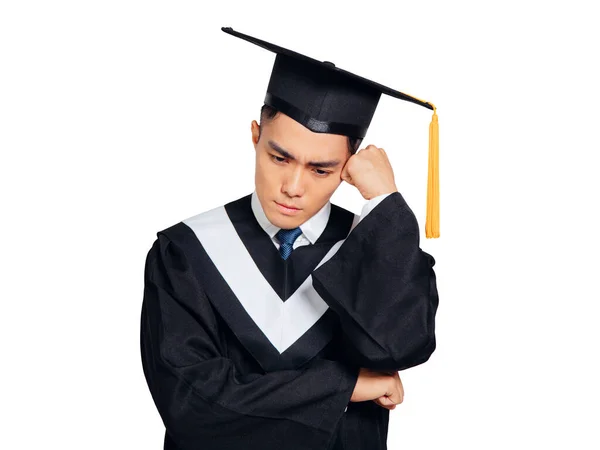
286,238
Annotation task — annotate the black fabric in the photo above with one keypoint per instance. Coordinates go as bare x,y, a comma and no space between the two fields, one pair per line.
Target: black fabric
206,278
320,96
388,298
213,393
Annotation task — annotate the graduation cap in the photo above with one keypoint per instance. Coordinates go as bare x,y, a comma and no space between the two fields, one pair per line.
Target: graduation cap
327,99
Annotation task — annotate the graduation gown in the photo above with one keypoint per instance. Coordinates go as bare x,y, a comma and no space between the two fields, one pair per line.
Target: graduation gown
244,350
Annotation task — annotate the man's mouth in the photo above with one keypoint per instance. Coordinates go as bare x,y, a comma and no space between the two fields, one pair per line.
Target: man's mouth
288,206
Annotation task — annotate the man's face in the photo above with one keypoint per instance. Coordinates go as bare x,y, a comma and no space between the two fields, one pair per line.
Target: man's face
285,173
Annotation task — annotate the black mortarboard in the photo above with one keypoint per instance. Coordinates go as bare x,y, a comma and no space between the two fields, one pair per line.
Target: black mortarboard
327,99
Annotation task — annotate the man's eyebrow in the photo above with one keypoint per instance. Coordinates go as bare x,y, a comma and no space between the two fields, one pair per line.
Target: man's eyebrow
288,155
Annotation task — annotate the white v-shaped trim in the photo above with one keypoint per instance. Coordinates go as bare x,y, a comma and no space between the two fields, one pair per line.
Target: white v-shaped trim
283,323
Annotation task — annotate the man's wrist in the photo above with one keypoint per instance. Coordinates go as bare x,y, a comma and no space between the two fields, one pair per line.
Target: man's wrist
371,204
383,192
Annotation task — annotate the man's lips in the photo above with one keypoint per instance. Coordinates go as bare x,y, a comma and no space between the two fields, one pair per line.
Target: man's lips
287,206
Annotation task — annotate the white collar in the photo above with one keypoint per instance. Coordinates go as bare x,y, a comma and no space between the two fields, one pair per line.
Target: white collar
312,228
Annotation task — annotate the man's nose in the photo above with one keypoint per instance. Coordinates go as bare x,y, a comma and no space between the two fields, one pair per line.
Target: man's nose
294,183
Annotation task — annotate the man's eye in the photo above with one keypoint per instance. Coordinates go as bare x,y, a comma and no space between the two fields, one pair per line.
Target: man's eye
279,159
322,172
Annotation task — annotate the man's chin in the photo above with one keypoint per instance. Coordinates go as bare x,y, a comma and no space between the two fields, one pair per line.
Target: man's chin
288,224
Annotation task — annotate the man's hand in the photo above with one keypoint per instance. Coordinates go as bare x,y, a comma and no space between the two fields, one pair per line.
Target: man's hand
384,389
370,171
385,401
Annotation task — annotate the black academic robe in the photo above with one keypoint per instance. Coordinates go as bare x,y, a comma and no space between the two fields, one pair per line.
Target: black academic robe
243,350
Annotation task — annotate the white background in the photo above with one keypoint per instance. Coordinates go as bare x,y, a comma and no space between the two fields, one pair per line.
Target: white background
121,118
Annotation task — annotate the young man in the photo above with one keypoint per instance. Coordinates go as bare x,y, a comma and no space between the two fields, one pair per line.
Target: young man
281,320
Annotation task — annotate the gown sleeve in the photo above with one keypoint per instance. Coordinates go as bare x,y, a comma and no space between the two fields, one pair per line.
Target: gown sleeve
383,288
203,399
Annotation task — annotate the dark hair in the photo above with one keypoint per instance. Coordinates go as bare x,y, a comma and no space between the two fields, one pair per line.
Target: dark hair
268,113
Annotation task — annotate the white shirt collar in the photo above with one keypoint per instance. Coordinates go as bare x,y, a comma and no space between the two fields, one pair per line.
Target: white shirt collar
312,228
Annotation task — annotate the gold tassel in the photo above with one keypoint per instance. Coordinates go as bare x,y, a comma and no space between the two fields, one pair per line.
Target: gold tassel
432,222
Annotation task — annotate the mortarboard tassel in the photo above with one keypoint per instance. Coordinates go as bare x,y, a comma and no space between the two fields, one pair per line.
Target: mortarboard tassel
432,222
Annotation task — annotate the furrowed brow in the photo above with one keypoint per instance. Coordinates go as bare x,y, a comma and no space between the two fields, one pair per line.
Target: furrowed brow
281,151
286,154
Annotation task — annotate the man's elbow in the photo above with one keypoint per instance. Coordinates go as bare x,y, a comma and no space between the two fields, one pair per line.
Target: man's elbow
401,357
420,352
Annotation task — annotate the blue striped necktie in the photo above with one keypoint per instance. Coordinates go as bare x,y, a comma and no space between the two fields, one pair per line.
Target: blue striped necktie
287,238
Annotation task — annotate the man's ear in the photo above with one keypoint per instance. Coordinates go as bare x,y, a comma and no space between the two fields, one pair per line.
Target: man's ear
255,129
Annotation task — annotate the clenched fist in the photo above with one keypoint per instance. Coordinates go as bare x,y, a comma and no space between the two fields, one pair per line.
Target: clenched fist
384,389
370,171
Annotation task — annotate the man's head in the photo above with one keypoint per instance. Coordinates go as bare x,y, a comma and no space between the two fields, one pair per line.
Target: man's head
296,166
